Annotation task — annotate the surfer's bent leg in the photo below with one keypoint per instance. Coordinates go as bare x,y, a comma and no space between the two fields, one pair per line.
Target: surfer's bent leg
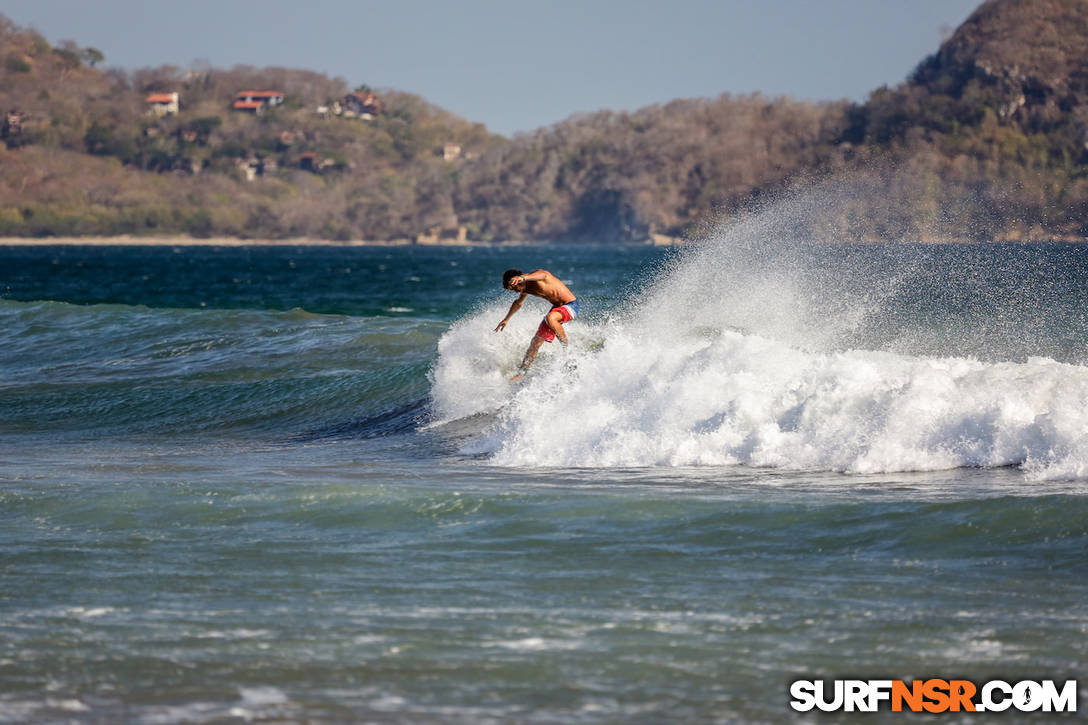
552,324
550,328
555,322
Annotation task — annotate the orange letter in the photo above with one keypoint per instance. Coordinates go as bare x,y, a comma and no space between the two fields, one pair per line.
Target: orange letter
913,696
937,691
962,691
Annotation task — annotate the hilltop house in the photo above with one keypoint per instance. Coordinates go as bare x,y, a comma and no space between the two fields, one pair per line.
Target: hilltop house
451,151
162,104
362,104
13,124
257,101
309,161
257,165
12,130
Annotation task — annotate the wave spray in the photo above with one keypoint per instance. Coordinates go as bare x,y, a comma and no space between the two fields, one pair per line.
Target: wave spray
766,344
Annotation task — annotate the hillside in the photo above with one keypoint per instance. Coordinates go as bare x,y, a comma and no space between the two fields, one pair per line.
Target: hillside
994,125
89,159
985,140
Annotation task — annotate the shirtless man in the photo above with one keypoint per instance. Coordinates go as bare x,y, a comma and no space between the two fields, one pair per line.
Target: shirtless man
540,283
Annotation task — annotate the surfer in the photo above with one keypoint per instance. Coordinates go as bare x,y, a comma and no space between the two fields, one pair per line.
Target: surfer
540,283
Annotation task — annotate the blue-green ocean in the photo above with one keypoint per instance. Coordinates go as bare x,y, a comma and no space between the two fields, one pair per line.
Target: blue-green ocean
294,484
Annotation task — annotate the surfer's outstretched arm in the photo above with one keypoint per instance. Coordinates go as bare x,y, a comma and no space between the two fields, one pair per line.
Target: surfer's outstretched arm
513,308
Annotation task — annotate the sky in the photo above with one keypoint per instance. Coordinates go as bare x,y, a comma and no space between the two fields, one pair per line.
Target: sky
516,65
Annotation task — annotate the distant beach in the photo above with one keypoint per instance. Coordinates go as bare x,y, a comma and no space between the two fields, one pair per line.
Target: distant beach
187,241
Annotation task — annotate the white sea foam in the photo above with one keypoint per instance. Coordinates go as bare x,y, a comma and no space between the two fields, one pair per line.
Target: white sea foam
259,703
87,613
746,399
67,705
736,398
475,362
742,354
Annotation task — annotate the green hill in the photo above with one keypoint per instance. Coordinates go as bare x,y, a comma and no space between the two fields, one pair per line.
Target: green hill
985,140
89,159
991,129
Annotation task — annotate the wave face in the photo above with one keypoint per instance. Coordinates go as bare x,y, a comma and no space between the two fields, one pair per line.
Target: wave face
761,349
258,346
135,371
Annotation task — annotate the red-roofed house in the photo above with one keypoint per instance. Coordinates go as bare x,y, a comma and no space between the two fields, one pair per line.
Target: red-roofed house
162,104
362,104
257,101
250,106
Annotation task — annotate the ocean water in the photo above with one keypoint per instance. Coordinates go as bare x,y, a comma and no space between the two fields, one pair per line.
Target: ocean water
278,484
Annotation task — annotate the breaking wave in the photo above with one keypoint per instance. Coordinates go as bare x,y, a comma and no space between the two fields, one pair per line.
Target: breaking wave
763,349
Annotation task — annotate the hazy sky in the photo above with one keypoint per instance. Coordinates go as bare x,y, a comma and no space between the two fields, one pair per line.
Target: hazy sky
517,65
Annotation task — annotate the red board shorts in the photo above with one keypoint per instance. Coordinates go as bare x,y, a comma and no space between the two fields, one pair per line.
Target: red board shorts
567,312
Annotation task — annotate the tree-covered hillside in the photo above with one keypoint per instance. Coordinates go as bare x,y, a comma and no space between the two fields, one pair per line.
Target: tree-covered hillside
992,128
90,159
985,140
